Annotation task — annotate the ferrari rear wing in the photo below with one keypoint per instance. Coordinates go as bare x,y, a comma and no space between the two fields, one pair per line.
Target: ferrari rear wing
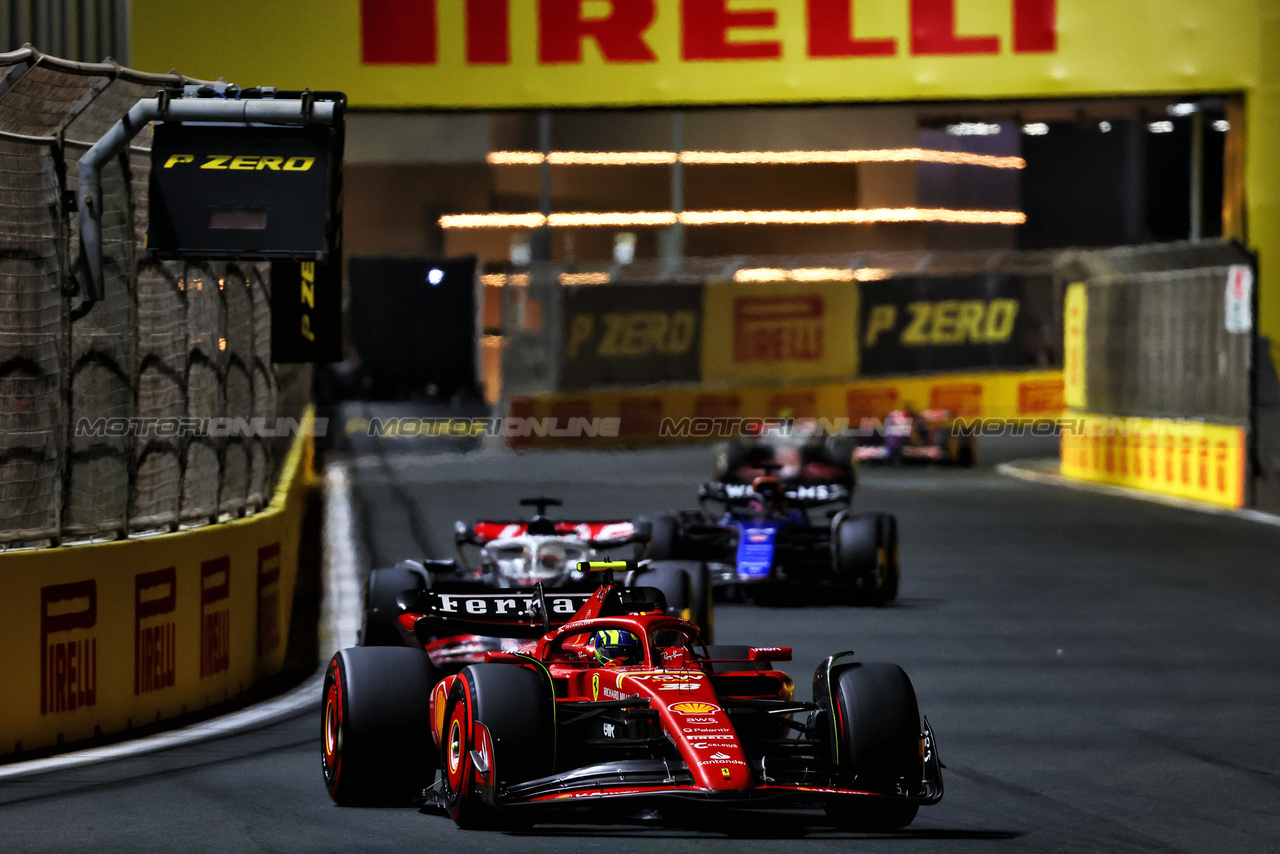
501,614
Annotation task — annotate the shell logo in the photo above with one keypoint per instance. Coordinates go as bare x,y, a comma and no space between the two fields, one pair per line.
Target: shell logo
695,708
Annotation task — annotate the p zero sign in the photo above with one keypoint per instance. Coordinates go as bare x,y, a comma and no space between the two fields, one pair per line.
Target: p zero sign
236,192
631,334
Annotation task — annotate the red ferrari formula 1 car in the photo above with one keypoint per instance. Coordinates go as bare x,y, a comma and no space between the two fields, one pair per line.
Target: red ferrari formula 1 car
615,708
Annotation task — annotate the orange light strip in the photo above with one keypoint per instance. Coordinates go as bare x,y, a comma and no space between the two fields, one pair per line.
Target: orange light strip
713,158
584,278
498,280
661,218
559,220
529,220
851,217
811,274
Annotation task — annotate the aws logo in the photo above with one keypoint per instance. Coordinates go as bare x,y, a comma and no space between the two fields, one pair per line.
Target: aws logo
244,162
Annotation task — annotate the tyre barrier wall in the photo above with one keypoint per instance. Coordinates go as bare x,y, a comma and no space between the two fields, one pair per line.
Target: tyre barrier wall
663,415
101,638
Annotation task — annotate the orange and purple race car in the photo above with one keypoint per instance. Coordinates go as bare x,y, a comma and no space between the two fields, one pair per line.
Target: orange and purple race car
907,436
610,708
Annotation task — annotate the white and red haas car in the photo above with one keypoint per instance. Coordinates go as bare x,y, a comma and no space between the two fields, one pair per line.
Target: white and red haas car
615,708
517,554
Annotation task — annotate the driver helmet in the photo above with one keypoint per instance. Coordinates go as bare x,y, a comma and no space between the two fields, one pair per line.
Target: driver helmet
770,494
617,646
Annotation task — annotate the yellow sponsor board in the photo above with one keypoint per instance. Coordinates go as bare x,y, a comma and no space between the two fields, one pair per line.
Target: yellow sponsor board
682,413
512,53
1186,459
779,331
1074,347
106,637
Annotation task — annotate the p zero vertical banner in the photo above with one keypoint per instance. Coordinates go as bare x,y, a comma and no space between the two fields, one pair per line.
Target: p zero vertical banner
306,311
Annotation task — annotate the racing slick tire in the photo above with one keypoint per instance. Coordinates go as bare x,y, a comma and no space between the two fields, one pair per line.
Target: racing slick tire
702,610
889,541
664,537
675,580
858,557
378,628
517,706
878,732
704,601
376,747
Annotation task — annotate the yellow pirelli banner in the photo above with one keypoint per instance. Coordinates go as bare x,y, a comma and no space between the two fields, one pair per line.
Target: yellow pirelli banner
102,638
1075,345
681,414
1182,458
779,331
519,53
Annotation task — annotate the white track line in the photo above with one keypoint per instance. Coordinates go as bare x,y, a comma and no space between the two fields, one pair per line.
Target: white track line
340,609
339,623
1031,470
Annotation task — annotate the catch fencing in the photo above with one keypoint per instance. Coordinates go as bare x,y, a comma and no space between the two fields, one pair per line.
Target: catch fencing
170,346
1164,364
1158,341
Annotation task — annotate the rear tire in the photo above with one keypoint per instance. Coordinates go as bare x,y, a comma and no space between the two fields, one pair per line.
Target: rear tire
704,601
676,584
379,627
879,745
858,558
376,747
517,706
889,541
664,537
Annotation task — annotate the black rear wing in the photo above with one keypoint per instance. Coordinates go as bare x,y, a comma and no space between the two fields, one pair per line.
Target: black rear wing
499,614
742,494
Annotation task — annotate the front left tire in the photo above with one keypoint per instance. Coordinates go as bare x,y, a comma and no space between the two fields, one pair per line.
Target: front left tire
376,747
517,706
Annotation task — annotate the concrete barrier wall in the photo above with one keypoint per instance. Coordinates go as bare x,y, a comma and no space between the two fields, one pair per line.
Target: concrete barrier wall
101,638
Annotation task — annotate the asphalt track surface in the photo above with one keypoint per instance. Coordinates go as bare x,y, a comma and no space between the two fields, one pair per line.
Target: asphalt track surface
1101,674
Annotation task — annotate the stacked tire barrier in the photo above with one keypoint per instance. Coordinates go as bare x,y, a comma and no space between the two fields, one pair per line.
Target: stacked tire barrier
108,432
153,460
